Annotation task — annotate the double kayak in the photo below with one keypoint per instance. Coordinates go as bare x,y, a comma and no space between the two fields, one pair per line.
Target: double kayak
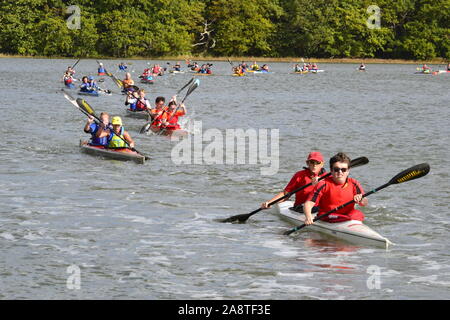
353,231
124,154
138,114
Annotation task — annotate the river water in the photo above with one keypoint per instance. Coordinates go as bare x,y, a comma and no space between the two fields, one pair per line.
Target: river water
76,226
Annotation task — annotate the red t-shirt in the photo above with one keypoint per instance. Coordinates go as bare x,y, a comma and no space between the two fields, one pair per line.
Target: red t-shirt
328,195
300,179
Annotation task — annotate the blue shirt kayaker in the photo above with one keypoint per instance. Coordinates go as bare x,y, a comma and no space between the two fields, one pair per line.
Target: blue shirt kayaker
88,84
93,128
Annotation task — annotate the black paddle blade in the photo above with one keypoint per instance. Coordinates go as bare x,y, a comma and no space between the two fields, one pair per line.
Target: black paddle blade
145,128
359,162
412,173
240,218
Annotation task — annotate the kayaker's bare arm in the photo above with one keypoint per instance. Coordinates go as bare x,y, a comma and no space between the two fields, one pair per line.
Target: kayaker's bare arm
265,205
128,139
307,207
360,200
102,132
87,127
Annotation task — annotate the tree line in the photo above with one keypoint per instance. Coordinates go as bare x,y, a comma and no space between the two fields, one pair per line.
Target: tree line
390,29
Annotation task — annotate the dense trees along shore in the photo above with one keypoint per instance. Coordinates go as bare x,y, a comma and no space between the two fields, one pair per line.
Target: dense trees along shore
393,29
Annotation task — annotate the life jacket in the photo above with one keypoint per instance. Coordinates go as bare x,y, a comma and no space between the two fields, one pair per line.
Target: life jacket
96,141
140,106
115,141
172,119
101,71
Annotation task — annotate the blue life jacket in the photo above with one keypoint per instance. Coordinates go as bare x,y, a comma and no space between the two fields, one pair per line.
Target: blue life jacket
95,141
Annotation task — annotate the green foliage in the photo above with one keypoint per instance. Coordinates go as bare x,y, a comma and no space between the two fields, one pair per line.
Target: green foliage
409,29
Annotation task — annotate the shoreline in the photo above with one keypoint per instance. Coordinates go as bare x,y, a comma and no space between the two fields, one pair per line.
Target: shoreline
249,58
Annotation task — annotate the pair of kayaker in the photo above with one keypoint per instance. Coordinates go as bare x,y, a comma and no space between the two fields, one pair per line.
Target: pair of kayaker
205,69
166,117
122,66
327,194
88,84
106,134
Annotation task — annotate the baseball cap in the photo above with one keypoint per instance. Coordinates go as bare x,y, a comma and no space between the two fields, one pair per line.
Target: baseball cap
116,120
315,155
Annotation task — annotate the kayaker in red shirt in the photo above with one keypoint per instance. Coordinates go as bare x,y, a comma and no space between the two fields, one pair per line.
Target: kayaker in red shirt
334,191
311,174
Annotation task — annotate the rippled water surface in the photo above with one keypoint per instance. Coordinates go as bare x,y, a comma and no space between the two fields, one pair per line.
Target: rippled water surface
150,231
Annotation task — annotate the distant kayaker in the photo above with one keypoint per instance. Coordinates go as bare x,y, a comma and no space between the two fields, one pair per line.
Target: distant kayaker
205,69
297,68
254,66
362,67
238,71
131,99
101,70
448,66
92,128
265,67
142,103
334,191
425,68
122,66
70,70
177,67
68,80
116,135
157,70
127,82
309,174
314,66
171,116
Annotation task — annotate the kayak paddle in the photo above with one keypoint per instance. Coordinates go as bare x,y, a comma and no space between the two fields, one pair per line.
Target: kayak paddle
76,63
412,173
243,217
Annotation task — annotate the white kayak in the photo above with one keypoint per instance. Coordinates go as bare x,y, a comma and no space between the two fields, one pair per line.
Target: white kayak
352,231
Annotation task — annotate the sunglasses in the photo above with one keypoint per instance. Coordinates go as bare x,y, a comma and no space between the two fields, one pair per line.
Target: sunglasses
339,169
314,162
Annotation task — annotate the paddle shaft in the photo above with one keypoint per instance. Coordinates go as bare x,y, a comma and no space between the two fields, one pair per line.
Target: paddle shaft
338,208
76,63
288,195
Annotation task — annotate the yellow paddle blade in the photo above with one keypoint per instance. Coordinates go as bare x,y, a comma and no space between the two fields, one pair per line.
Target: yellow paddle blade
85,106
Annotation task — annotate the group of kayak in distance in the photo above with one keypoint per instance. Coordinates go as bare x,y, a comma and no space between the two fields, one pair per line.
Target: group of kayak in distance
427,70
108,133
